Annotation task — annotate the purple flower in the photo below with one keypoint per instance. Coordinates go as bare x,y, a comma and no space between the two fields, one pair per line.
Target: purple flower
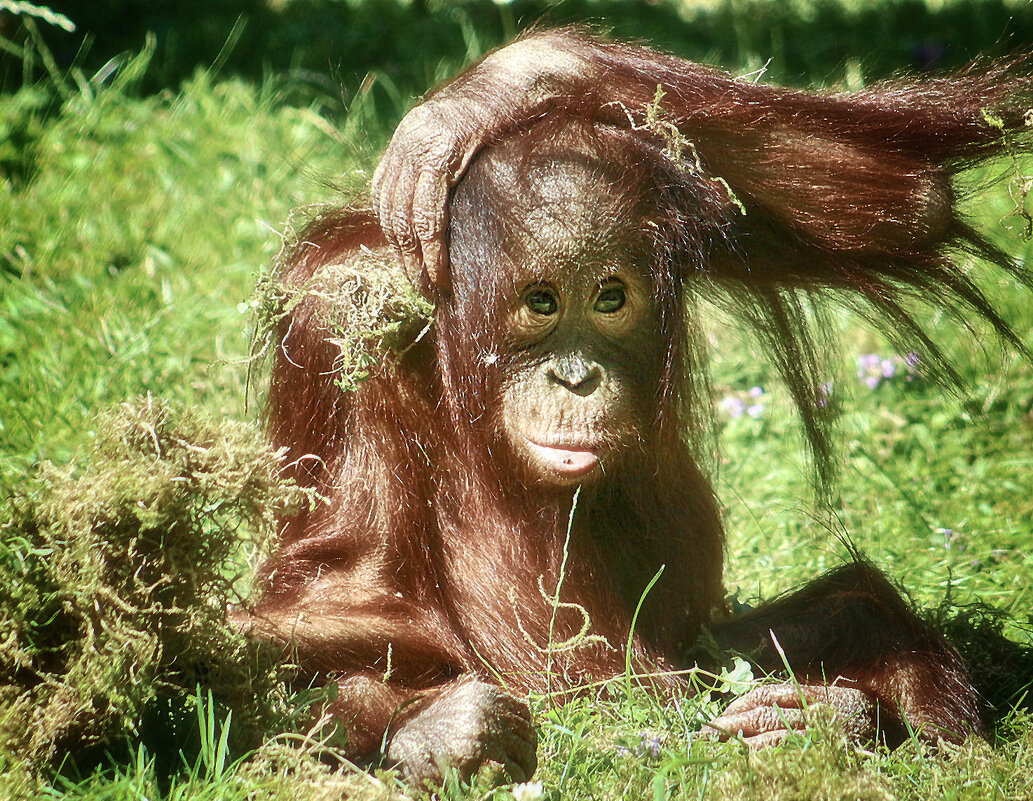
651,744
889,369
868,361
755,410
948,537
756,392
733,406
872,381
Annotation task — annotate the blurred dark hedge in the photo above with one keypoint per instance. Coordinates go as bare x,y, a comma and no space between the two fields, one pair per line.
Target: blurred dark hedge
411,44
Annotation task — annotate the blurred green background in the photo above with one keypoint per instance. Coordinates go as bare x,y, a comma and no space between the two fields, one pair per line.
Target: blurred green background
801,41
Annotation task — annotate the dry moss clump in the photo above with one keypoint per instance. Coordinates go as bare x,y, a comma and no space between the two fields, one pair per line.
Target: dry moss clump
364,305
114,582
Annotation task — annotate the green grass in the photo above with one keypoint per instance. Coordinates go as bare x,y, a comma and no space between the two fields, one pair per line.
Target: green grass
134,228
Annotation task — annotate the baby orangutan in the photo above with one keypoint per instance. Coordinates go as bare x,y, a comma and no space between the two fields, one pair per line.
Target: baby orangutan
502,490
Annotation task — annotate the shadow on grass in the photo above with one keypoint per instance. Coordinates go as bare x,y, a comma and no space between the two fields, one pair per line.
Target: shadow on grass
1001,668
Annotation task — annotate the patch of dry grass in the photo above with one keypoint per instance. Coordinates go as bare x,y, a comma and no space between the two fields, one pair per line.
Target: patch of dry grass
118,573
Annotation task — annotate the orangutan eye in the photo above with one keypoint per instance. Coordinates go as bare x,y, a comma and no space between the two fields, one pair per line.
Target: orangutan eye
542,300
611,299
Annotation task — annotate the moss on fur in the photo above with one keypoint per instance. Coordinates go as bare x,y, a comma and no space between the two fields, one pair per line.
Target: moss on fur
365,305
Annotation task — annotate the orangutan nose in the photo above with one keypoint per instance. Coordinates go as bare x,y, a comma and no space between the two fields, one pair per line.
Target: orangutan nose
576,373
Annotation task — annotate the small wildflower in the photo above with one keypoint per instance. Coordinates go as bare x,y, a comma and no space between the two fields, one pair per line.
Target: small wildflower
528,791
873,369
733,406
744,402
950,537
651,744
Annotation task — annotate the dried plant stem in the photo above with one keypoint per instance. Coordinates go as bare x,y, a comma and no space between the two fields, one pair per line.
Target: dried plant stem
556,595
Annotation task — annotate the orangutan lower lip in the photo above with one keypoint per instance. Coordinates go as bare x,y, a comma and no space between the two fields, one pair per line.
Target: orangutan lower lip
568,460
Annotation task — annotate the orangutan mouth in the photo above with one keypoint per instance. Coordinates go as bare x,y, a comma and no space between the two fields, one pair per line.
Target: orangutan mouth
568,460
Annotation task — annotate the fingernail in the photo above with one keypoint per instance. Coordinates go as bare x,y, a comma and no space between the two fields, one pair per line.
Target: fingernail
432,260
411,265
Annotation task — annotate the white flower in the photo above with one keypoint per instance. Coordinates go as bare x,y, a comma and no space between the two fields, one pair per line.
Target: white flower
528,791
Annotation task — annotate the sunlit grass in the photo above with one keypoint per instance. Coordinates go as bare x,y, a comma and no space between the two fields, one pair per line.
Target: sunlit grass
139,227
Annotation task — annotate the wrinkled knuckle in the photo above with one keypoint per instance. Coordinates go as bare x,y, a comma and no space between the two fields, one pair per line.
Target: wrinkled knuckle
432,142
421,131
378,177
420,116
402,237
431,184
379,191
406,245
426,225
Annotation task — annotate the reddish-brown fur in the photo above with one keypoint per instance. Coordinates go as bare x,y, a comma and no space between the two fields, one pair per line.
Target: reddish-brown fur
434,559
